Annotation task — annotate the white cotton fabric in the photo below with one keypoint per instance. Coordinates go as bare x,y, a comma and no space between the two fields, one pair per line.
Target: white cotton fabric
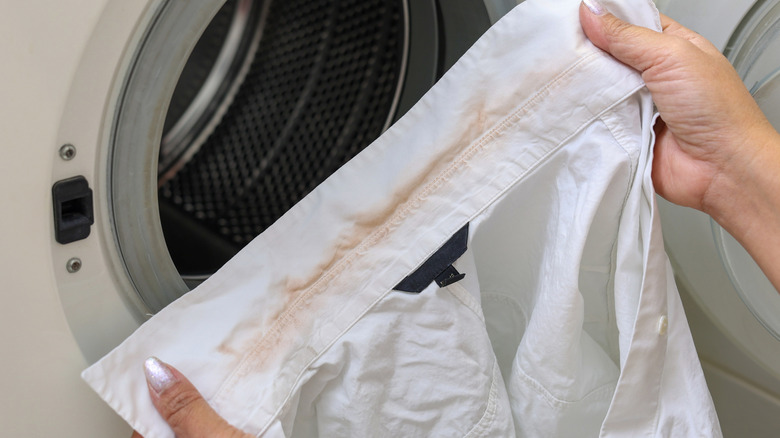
567,324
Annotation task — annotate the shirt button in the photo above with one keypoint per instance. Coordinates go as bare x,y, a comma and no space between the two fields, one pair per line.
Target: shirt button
663,324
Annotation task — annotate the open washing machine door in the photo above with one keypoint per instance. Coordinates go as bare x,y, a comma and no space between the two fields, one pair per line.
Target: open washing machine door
148,141
733,309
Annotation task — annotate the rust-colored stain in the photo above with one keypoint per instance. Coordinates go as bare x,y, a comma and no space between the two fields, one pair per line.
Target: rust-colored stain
300,293
373,222
481,119
252,328
224,348
369,228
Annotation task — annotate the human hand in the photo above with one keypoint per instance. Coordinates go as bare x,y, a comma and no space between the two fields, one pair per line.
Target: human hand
709,118
182,406
715,150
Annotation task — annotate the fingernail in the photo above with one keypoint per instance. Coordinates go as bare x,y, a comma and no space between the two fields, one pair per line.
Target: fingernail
158,374
594,7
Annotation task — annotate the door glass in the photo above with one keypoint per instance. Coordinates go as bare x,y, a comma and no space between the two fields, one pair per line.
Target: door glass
754,49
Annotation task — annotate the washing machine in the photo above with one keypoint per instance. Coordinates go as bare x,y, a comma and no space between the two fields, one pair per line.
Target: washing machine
147,141
733,310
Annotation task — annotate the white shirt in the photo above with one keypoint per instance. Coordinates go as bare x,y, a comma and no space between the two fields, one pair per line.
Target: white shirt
567,323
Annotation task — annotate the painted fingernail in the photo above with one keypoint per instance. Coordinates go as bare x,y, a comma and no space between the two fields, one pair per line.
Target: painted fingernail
158,374
594,7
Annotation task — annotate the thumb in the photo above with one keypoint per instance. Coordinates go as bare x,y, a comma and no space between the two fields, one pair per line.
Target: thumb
182,406
635,46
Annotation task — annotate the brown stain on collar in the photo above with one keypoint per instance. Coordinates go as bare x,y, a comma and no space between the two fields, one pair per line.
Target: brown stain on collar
369,228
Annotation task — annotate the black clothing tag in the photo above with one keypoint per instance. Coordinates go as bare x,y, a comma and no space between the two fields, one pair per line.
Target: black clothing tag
438,267
448,276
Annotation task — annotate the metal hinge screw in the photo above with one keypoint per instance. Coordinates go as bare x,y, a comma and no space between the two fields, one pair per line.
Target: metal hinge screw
67,152
73,265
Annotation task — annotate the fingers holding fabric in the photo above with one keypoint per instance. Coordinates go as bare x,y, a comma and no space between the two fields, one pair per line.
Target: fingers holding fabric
709,114
715,150
182,406
641,48
635,46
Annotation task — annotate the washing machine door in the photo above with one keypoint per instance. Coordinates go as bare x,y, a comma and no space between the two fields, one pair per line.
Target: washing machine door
196,126
152,139
711,265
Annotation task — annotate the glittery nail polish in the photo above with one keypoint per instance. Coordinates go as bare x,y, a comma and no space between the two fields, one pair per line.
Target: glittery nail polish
594,6
158,374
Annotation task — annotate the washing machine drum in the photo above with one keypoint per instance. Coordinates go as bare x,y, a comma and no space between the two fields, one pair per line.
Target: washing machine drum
244,121
320,84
